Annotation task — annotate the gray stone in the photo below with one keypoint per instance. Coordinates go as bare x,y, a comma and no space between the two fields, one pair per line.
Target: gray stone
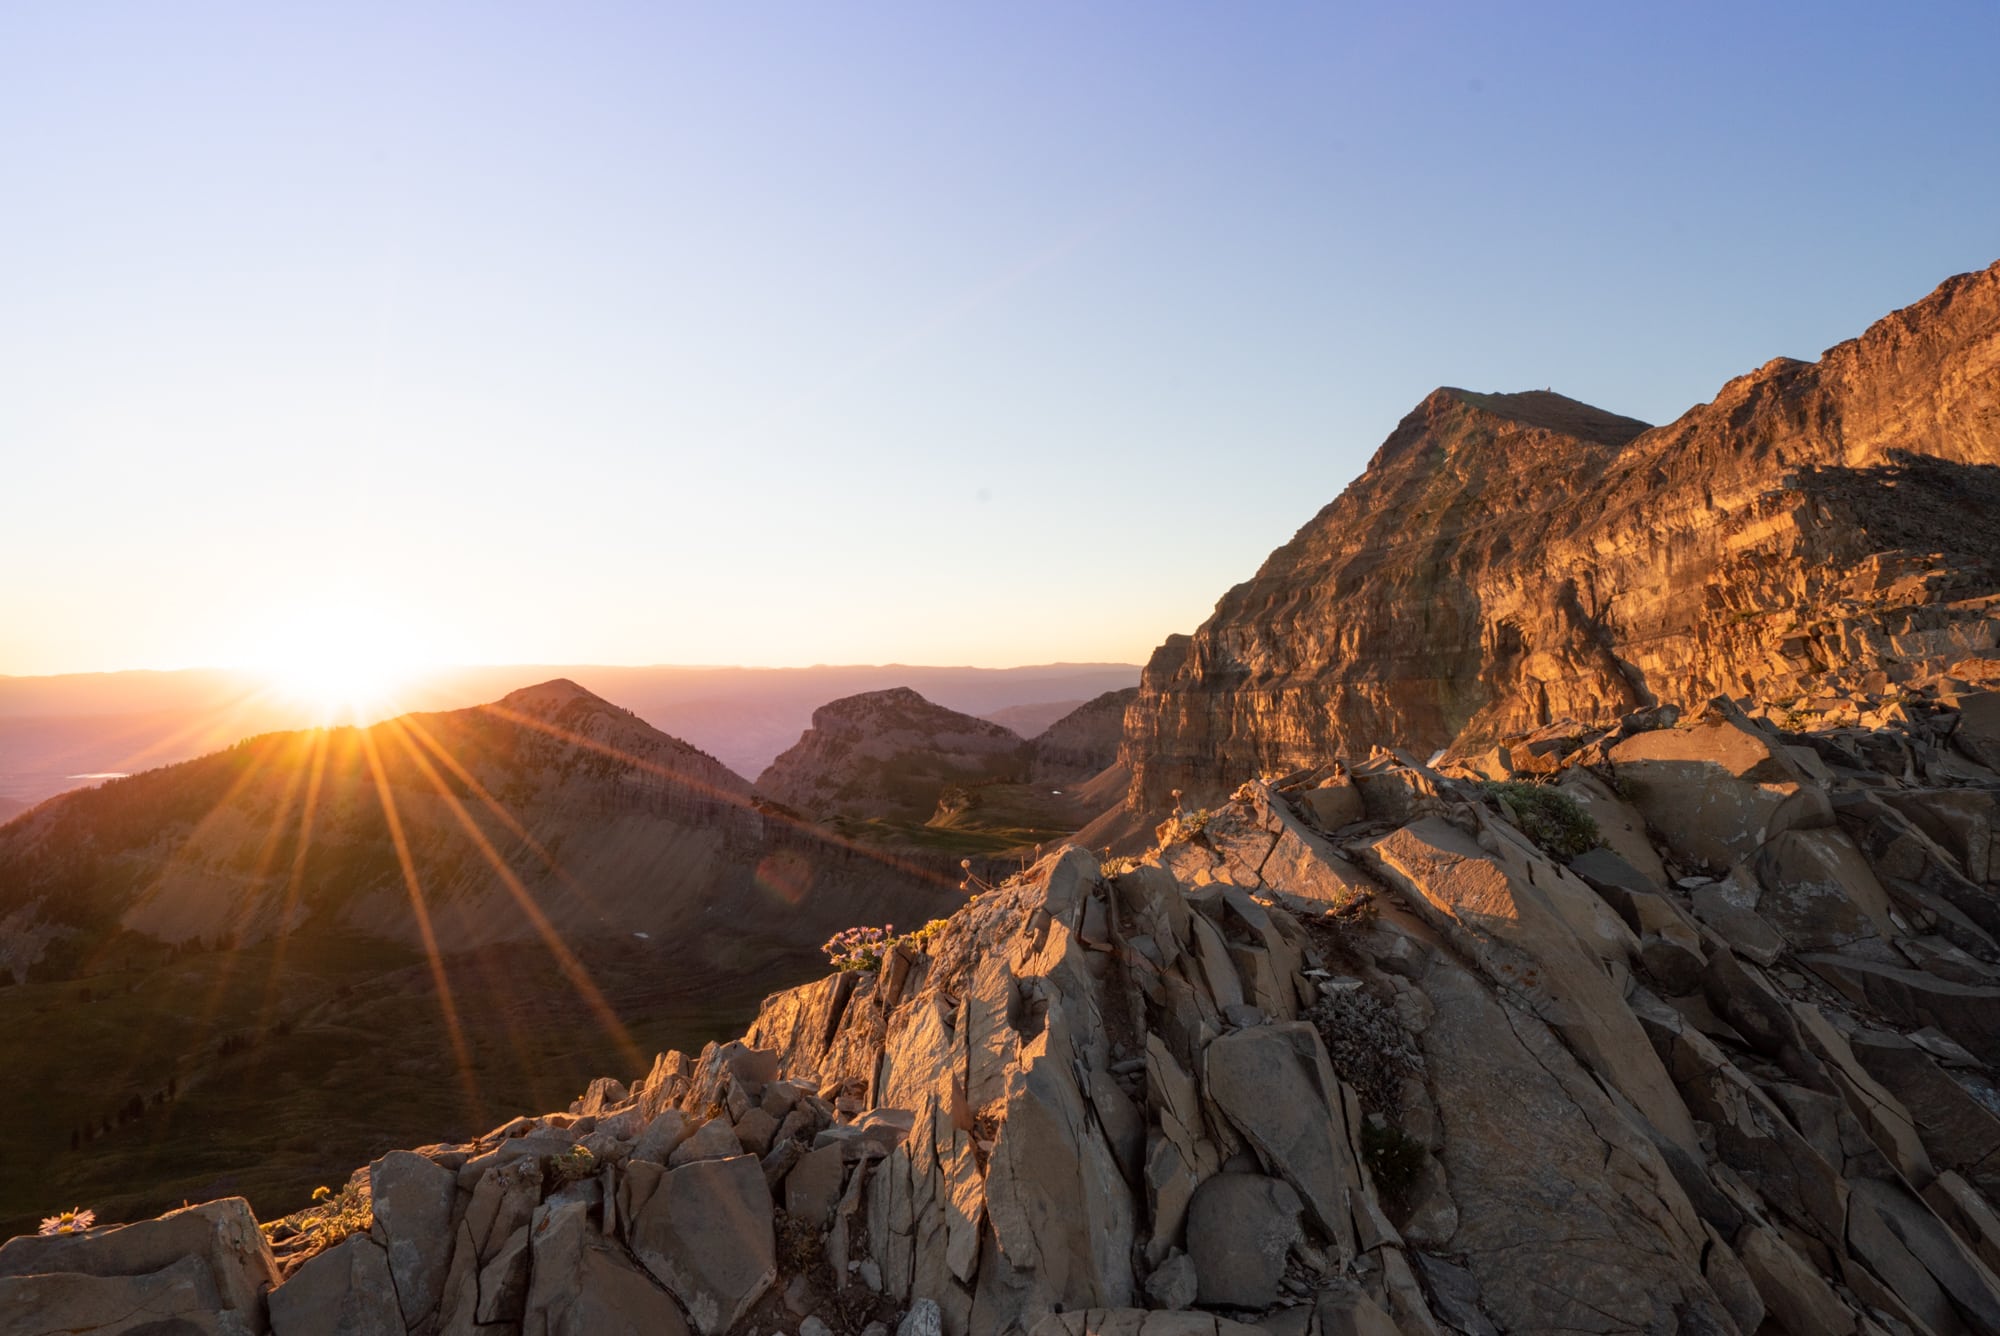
923,1319
223,1234
344,1291
413,1200
1174,1282
813,1187
1240,1229
755,1131
1793,1292
1718,790
179,1298
584,1285
658,1139
1275,1084
713,1140
706,1234
503,1282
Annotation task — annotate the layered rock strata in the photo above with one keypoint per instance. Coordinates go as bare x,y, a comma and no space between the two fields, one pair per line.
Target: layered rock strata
1508,560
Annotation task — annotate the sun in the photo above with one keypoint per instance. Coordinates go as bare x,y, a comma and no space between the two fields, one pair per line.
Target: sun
345,661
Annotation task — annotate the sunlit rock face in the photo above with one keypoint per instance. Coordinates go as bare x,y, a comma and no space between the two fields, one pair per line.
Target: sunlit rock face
1508,560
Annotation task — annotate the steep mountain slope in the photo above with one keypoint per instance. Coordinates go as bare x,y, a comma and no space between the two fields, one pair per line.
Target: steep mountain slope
11,808
1085,741
890,754
1031,719
1507,561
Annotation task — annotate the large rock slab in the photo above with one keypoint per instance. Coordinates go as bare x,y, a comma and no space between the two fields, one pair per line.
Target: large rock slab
222,1234
345,1291
179,1298
1568,1217
1968,1013
706,1234
412,1201
1490,905
586,1286
1716,791
1819,892
1275,1084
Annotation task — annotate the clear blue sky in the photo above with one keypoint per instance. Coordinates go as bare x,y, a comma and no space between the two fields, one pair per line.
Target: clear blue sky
777,334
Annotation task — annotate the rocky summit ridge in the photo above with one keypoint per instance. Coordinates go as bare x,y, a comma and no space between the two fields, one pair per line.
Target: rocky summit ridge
1508,561
1693,1028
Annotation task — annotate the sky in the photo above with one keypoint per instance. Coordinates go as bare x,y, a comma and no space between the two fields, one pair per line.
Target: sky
836,333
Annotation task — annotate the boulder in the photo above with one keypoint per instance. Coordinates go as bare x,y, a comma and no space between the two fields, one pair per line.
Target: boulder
412,1200
713,1140
1818,891
179,1297
1792,1290
584,1285
659,1138
1567,1215
1275,1084
1240,1229
1969,1014
1958,1131
1716,791
222,1235
1493,907
345,1291
1978,731
706,1234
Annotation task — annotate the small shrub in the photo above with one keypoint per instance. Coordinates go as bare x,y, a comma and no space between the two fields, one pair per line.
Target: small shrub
1183,826
333,1218
1548,816
569,1166
1368,1046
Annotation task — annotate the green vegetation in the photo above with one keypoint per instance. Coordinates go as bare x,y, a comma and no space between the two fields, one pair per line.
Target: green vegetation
1548,816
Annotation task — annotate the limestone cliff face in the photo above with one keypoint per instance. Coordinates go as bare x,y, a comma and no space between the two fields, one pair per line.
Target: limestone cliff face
1509,560
888,754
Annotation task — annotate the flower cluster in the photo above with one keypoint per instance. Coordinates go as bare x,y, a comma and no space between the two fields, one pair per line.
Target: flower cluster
73,1221
860,948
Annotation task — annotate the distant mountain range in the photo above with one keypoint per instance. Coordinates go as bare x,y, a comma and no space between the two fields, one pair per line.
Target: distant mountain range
59,732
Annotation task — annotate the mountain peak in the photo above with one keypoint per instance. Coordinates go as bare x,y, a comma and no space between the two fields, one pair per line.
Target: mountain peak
555,694
1543,409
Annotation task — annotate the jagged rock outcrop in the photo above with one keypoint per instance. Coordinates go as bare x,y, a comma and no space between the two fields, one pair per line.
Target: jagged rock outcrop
1085,741
1509,560
1684,1028
889,754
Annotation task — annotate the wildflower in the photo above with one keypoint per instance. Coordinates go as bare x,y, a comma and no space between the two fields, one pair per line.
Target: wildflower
73,1221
